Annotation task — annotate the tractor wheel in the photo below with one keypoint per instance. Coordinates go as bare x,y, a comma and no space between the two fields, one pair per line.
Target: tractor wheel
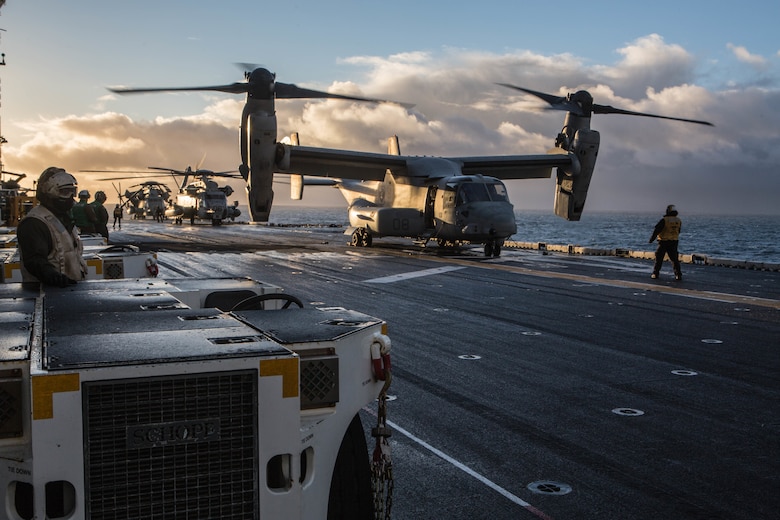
350,488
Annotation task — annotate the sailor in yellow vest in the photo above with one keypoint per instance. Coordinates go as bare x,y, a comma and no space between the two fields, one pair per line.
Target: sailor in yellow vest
49,244
668,233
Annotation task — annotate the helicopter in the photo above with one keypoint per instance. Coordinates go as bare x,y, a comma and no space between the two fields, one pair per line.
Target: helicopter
15,201
202,198
142,200
454,200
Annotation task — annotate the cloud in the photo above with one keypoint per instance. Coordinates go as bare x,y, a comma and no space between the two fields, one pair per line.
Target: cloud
460,111
743,55
112,141
648,62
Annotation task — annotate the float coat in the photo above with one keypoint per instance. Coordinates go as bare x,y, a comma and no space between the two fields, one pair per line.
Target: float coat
671,230
66,253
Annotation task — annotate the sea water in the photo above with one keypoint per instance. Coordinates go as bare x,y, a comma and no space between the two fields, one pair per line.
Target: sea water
747,238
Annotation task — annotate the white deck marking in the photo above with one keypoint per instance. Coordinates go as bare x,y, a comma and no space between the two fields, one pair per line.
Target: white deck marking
517,500
414,274
459,465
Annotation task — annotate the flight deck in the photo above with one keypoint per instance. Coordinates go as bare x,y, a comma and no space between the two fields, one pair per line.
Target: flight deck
539,384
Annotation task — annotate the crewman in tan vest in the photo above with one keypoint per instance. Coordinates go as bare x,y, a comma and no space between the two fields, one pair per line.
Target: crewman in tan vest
49,244
668,232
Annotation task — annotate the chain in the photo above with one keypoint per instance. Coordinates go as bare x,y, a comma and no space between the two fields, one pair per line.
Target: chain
382,465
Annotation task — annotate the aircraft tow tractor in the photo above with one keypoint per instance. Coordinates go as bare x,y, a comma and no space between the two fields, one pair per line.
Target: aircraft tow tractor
198,398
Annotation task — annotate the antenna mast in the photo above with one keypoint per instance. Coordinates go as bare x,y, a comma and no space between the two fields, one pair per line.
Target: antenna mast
2,139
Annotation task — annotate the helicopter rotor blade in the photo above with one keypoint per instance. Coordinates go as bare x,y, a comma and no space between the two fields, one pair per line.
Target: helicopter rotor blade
581,104
169,170
148,175
113,171
19,176
230,174
200,163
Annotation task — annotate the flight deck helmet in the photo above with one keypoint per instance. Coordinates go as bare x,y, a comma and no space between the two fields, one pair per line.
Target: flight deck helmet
56,188
84,194
100,196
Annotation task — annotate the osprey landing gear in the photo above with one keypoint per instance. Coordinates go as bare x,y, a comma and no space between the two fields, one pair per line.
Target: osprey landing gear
493,247
361,237
448,244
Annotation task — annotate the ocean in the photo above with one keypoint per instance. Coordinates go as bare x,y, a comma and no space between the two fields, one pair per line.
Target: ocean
746,238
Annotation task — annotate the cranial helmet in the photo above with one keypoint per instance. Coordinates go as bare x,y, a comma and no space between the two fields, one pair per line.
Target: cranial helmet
670,208
83,194
55,183
100,196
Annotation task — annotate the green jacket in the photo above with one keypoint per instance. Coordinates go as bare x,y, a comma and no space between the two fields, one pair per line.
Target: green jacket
84,216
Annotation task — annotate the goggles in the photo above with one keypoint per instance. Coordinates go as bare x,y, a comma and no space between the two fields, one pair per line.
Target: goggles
61,185
67,192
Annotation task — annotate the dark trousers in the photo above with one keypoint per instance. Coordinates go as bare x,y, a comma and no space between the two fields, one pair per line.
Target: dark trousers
667,247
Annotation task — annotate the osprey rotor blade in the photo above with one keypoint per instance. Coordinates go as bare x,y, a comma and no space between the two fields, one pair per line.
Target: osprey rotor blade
606,109
233,88
291,91
555,102
581,103
247,68
261,84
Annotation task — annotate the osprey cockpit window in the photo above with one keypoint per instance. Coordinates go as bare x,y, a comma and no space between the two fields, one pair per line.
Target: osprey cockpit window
481,192
497,191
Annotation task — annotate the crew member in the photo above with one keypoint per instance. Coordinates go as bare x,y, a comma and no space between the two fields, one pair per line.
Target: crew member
668,233
49,244
84,214
101,214
117,216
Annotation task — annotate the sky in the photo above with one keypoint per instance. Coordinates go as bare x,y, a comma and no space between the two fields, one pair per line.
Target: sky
715,61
